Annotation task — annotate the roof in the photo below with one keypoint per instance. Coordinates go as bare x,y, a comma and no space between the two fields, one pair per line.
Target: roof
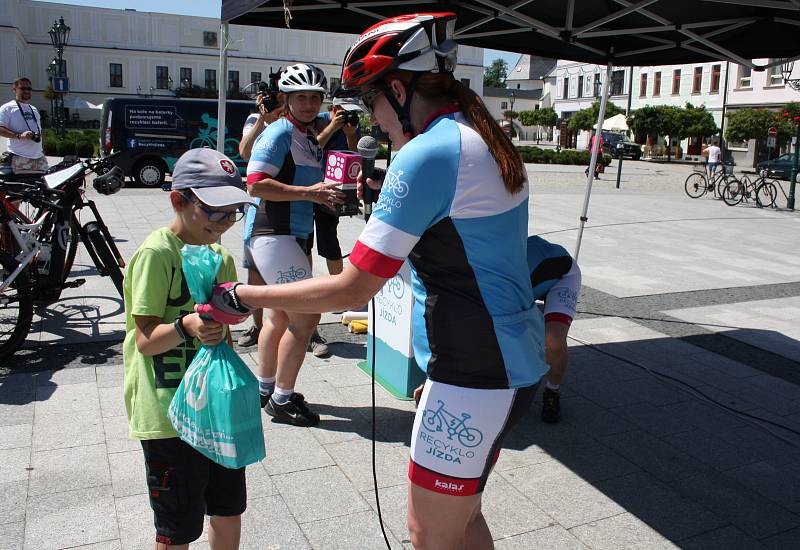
531,67
518,94
619,32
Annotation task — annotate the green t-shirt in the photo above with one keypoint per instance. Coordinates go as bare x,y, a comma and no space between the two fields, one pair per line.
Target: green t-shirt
154,286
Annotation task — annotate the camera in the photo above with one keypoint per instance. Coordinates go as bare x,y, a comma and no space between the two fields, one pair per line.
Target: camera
37,137
270,96
351,118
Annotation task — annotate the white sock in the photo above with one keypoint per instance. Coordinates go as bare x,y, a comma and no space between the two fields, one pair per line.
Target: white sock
550,386
281,395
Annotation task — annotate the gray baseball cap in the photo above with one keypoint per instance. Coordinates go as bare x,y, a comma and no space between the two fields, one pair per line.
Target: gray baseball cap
211,176
348,103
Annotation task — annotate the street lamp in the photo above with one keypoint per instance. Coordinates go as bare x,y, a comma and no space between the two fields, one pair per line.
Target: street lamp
51,70
59,36
794,83
511,98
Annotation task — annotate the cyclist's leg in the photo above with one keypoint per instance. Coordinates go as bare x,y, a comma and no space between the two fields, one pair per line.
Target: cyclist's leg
445,521
293,345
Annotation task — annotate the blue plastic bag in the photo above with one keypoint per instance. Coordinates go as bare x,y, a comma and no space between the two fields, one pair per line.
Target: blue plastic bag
216,408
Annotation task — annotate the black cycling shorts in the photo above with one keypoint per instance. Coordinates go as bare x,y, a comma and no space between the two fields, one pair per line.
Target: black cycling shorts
325,225
185,486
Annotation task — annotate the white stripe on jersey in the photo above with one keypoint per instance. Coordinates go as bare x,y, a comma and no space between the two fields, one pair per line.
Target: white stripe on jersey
387,240
261,167
480,191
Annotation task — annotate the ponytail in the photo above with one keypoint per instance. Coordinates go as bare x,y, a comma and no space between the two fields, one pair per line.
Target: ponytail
509,162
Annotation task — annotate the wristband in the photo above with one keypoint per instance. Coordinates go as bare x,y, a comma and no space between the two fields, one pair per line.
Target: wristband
178,324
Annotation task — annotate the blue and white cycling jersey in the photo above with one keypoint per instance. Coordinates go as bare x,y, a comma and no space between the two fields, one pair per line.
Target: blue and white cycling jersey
444,206
555,278
287,152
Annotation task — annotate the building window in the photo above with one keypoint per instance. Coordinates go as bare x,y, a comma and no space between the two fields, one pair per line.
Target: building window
233,80
334,83
211,79
162,77
465,82
715,70
115,75
774,75
255,77
643,85
617,82
657,84
210,39
697,81
745,75
676,82
504,105
580,85
598,87
186,77
565,88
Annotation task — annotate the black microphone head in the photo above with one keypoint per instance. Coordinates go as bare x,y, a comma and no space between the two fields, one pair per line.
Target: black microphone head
368,147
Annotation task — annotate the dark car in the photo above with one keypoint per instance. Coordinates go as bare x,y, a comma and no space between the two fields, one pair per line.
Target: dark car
780,167
619,145
149,135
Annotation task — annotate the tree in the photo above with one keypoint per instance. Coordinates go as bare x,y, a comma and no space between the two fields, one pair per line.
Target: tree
696,121
645,123
494,76
539,117
673,122
747,124
587,118
510,114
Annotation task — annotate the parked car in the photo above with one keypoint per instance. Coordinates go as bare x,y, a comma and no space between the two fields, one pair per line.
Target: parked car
150,134
780,167
619,145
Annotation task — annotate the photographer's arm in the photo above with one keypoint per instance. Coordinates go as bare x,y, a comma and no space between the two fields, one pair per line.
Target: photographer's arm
6,133
249,138
333,126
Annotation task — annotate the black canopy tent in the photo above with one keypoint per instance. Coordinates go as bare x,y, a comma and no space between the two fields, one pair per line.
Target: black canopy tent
605,32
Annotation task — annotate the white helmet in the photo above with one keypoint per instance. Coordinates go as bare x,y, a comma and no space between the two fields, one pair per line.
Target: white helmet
302,78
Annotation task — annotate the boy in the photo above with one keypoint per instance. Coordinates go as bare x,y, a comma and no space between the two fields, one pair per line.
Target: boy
162,335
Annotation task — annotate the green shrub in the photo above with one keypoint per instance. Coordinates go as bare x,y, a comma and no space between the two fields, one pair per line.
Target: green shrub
50,147
66,148
84,149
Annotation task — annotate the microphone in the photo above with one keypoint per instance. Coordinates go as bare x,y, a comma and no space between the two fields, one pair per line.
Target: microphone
368,149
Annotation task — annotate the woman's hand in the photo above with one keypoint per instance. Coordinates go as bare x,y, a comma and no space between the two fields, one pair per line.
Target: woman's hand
325,194
225,306
375,182
208,331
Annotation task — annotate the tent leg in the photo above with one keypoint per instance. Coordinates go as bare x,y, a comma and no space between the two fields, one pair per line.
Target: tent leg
222,85
593,162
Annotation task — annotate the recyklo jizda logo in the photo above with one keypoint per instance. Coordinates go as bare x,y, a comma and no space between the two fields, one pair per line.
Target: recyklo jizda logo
447,435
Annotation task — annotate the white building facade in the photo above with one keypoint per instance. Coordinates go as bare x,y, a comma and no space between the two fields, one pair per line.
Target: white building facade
113,53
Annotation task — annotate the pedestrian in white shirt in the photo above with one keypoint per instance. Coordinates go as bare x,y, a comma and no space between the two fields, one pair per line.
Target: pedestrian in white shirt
714,154
21,123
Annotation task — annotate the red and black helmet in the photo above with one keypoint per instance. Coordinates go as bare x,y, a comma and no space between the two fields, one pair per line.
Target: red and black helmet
419,42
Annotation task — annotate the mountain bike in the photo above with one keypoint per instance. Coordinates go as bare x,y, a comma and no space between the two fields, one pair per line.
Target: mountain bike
37,251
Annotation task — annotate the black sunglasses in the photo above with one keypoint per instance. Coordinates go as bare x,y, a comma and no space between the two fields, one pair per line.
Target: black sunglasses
214,215
369,97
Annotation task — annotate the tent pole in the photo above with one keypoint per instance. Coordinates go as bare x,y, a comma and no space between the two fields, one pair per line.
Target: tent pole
222,86
601,115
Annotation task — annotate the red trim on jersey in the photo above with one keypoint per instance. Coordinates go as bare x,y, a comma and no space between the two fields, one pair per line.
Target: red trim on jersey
556,317
438,483
255,177
441,112
372,261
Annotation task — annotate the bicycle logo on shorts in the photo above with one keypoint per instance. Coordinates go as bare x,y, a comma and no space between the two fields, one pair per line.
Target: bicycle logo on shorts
439,419
292,274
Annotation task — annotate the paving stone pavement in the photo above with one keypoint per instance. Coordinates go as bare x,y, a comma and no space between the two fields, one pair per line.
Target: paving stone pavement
681,408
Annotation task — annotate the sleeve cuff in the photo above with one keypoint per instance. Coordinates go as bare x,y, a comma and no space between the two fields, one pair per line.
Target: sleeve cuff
256,177
371,261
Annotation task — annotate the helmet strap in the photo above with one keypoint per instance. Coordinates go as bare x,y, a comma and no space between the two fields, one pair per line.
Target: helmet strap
404,111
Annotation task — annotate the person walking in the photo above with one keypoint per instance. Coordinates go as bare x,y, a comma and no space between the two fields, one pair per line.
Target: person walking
285,172
454,202
21,123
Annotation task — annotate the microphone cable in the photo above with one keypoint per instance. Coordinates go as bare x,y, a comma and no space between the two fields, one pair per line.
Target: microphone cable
374,468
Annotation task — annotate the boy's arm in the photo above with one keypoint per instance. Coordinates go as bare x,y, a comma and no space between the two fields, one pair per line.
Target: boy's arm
154,336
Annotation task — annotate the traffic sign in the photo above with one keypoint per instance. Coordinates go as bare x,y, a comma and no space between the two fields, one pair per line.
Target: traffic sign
772,132
61,84
772,142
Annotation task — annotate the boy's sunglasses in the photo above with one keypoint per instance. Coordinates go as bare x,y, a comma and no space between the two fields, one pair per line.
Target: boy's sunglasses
216,216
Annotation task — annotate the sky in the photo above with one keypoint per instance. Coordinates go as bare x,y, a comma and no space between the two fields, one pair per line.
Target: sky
211,8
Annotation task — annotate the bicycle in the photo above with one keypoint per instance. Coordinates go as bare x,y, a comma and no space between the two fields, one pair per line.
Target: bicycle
743,189
435,420
767,191
698,183
37,253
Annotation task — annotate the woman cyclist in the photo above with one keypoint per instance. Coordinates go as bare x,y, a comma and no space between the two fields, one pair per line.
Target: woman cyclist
455,203
285,172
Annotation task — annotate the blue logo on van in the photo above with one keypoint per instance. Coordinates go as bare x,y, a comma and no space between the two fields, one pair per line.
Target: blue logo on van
131,143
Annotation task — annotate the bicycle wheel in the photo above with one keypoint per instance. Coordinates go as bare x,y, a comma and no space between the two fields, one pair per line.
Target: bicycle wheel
695,185
16,308
109,266
733,193
766,193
